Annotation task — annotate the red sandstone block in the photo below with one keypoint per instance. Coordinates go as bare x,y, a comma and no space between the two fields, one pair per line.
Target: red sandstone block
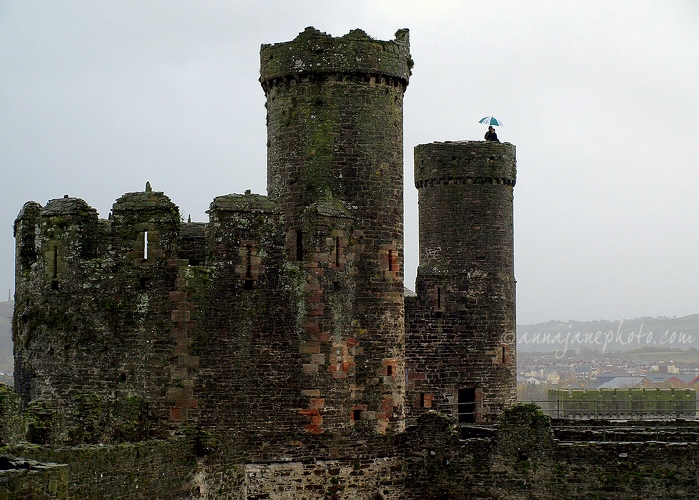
315,310
187,306
416,376
309,347
346,365
320,337
311,325
312,286
177,296
310,392
310,369
308,412
317,403
387,405
178,414
175,393
351,342
313,429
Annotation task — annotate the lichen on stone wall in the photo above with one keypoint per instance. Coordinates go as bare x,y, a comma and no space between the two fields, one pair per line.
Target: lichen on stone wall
270,352
11,420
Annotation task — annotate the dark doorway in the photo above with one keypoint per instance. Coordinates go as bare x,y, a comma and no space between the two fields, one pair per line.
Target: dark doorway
467,406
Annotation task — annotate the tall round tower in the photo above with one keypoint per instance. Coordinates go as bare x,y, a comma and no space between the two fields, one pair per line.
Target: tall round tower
465,284
335,166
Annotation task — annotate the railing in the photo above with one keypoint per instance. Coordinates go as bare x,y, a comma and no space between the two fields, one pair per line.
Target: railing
636,409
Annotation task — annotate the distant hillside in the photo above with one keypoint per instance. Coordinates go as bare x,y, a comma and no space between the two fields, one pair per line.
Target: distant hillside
610,336
6,361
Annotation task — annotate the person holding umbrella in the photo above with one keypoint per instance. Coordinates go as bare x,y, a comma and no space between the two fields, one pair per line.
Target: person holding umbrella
490,135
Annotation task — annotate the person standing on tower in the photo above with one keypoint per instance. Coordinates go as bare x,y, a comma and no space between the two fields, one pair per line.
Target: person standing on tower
491,136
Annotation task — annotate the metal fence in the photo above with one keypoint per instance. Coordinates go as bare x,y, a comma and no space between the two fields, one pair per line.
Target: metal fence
621,404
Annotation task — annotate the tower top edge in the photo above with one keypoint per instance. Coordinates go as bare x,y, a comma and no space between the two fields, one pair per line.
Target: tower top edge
456,161
474,145
313,51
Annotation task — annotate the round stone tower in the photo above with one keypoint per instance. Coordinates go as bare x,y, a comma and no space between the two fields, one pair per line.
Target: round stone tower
465,282
335,166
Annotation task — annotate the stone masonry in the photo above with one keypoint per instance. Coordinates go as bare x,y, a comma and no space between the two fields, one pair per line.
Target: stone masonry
270,353
460,331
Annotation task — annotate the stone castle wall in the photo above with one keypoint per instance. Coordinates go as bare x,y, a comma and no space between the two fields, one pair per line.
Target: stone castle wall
522,457
461,345
335,165
92,318
270,353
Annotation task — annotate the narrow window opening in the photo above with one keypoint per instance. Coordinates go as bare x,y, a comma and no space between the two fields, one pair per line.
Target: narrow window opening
337,252
299,245
145,245
54,271
389,370
392,260
422,400
503,354
336,286
247,285
54,275
467,406
357,414
439,298
248,267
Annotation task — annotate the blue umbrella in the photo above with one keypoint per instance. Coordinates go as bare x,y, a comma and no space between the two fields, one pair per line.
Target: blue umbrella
490,120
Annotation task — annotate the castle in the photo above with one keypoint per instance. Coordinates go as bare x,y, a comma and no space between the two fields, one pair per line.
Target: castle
272,352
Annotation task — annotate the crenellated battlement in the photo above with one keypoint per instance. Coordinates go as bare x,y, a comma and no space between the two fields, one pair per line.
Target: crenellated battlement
465,162
313,54
274,340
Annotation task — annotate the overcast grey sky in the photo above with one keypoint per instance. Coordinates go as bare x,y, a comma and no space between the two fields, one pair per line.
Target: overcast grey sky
601,99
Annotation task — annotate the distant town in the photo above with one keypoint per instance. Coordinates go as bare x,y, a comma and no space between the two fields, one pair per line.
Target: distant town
645,367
